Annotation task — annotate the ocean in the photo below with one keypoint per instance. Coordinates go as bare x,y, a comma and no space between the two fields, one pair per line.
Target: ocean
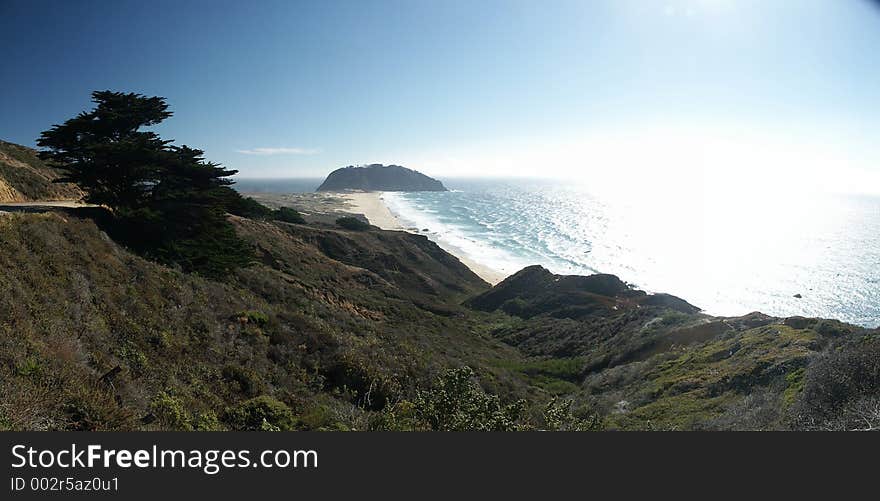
277,185
728,253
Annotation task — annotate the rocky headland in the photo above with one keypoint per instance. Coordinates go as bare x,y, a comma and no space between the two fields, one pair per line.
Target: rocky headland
377,177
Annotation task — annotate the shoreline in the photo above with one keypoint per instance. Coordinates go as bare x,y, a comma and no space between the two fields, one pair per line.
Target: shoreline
325,207
371,205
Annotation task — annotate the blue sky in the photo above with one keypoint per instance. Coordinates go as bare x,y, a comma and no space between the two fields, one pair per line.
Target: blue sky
473,87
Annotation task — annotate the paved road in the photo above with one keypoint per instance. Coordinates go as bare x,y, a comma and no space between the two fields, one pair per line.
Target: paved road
42,206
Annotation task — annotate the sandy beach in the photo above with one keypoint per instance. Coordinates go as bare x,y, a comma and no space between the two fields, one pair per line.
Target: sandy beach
370,204
327,206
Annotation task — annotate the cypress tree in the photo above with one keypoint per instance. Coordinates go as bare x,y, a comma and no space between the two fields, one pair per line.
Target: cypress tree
168,202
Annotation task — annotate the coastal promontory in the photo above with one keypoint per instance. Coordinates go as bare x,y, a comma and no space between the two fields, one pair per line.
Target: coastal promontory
378,177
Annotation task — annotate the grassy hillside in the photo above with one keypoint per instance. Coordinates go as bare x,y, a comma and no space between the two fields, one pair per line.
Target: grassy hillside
24,177
339,329
93,337
653,362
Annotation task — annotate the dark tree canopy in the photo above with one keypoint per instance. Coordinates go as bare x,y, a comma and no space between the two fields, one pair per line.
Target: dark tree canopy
167,201
105,152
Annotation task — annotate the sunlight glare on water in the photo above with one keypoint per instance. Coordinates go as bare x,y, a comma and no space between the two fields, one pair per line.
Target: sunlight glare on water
726,251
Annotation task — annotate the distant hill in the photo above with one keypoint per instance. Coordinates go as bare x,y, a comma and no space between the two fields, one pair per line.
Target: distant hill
378,177
25,178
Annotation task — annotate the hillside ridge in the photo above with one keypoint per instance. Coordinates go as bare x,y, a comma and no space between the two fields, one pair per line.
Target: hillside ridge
336,329
24,177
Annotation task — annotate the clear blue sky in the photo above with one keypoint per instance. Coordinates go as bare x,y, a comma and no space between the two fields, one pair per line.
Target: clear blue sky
469,87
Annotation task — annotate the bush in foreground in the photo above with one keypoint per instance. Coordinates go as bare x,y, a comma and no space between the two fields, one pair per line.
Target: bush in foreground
456,402
261,413
841,390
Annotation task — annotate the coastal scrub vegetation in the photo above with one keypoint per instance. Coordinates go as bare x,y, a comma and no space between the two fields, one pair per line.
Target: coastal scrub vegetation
841,390
288,215
25,177
352,223
244,318
252,209
93,337
456,402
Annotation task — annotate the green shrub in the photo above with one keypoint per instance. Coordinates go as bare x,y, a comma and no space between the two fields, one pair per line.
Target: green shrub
515,306
288,215
171,412
558,416
260,413
252,317
352,223
794,386
457,403
31,368
160,339
249,208
248,381
207,421
5,423
317,417
673,318
136,360
841,389
399,416
89,410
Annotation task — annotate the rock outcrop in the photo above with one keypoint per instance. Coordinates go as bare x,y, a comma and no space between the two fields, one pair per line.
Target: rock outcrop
377,177
535,291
